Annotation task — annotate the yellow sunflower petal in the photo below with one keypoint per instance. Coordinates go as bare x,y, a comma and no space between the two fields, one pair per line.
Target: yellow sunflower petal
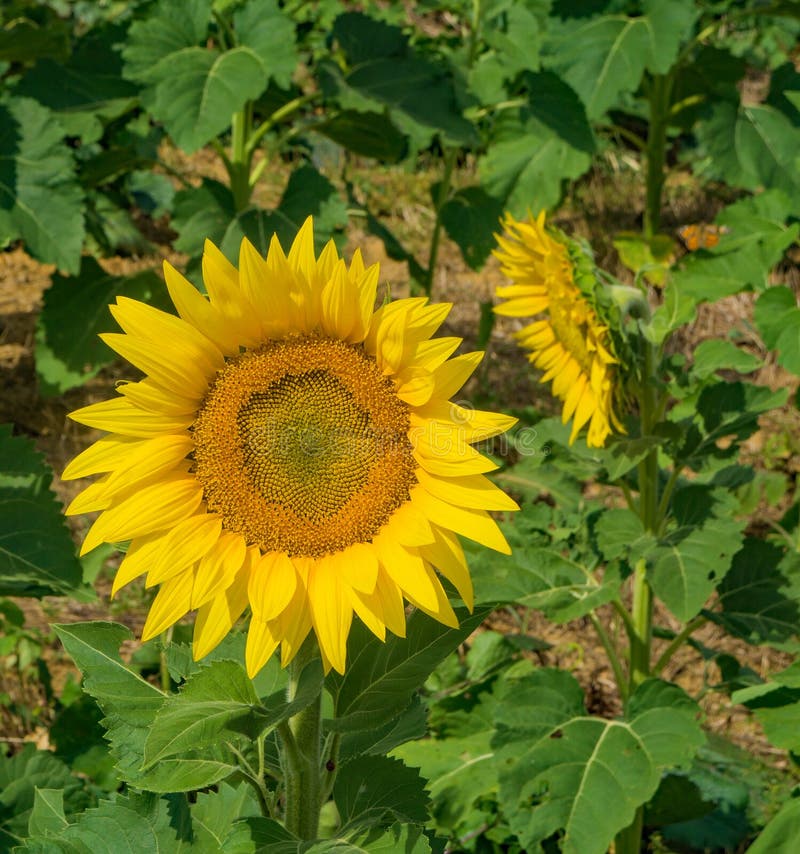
262,641
473,491
147,395
194,308
171,603
218,567
138,559
217,617
331,612
272,585
475,525
183,546
447,555
153,508
119,415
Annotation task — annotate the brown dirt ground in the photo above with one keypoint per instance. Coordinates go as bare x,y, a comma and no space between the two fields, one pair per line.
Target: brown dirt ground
601,205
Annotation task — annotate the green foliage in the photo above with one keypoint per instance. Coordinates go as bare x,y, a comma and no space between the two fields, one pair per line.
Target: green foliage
37,555
40,201
513,103
65,356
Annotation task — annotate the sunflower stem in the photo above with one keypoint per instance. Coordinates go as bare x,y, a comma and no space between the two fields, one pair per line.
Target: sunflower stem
659,95
300,738
442,195
629,840
239,162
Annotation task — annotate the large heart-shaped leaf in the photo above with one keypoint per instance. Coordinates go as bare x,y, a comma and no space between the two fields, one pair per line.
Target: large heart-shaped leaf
41,202
564,770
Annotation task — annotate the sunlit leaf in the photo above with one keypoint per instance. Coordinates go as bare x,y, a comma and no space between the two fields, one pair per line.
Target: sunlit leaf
688,565
40,200
564,770
381,677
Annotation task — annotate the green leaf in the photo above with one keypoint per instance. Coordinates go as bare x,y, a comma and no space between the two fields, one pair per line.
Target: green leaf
461,771
208,212
85,90
142,823
778,319
375,791
395,76
193,89
562,587
605,56
727,409
513,36
69,354
759,596
527,163
263,26
47,815
781,834
688,565
202,212
620,533
717,354
220,702
775,705
564,770
400,837
410,724
128,702
752,146
200,91
471,218
40,200
37,554
382,677
173,25
23,39
743,259
367,134
21,776
217,819
679,308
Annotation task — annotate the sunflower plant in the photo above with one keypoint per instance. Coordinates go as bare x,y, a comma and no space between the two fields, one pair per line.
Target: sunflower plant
291,454
664,553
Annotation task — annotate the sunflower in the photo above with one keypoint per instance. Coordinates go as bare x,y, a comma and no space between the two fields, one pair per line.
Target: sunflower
289,449
568,343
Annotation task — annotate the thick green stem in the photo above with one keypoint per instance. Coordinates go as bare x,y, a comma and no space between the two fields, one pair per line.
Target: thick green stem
239,163
629,841
301,750
659,99
640,630
441,197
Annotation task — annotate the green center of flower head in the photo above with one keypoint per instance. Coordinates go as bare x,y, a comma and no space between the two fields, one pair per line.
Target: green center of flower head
306,440
302,446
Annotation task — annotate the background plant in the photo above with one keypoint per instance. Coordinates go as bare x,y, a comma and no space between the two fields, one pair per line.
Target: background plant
92,164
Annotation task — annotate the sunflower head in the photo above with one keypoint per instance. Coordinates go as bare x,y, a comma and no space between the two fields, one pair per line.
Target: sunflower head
290,450
568,341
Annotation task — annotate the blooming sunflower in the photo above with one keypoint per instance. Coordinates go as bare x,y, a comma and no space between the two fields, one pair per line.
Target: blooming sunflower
569,343
290,449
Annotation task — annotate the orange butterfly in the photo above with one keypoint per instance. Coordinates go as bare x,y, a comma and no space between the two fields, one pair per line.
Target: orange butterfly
701,235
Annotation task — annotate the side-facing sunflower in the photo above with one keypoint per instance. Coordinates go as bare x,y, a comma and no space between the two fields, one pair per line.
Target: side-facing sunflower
569,343
290,449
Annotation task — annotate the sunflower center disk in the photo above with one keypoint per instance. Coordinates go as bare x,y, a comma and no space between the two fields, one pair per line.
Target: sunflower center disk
302,446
